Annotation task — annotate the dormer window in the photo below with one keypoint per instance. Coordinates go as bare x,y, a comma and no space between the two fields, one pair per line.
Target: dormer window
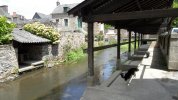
66,9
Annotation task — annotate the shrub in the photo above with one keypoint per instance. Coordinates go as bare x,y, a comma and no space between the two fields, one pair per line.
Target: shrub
74,55
99,37
43,31
6,28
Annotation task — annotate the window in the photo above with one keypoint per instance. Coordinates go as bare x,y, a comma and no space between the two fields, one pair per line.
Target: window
66,9
57,20
79,22
65,22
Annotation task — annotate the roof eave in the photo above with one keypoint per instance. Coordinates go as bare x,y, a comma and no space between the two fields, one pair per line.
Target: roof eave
79,6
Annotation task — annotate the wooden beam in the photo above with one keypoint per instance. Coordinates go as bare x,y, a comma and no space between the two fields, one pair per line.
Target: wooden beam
135,43
157,13
108,8
90,49
129,45
118,44
79,7
138,4
106,46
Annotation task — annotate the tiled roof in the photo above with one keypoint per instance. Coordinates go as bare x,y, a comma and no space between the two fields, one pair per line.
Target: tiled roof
42,16
23,36
3,13
60,8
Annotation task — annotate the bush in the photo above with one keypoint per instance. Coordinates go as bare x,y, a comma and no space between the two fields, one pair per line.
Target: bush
112,41
74,55
43,31
99,37
6,28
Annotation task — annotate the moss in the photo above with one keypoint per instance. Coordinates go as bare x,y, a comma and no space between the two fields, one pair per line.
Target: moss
15,70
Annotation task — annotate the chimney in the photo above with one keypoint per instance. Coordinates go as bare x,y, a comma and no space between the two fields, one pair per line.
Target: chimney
14,14
57,3
5,8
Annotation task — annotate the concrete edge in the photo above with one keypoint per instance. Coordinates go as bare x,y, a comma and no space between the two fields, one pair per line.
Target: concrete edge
111,79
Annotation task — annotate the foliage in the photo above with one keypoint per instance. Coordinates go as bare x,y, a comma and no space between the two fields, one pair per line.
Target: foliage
101,43
43,31
74,55
99,37
106,26
112,41
6,28
175,22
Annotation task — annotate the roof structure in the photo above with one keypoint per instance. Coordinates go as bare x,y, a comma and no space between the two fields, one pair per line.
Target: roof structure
3,13
143,16
23,36
38,15
60,8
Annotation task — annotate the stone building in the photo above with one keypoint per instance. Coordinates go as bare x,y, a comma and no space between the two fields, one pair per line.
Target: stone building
30,49
4,12
43,18
19,20
69,23
169,46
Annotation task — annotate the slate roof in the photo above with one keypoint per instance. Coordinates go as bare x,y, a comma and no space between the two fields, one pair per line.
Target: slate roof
60,8
3,13
42,16
23,36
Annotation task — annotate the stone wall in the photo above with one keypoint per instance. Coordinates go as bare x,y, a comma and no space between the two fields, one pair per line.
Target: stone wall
8,61
173,52
169,48
68,41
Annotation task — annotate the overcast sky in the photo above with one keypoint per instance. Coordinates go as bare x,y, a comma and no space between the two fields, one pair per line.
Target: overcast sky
29,7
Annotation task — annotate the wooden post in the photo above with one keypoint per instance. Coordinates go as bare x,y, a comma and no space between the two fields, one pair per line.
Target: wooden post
118,44
135,43
118,49
129,46
90,49
141,39
138,40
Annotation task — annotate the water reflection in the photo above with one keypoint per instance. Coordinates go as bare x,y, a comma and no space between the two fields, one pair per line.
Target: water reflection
66,82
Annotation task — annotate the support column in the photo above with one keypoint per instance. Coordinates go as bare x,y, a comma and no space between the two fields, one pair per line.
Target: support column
135,43
138,40
118,44
118,49
90,49
129,46
141,39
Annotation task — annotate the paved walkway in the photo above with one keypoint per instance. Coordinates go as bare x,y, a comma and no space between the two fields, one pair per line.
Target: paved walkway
152,82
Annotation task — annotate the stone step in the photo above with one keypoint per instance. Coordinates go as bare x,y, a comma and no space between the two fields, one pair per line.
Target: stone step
102,94
136,57
129,64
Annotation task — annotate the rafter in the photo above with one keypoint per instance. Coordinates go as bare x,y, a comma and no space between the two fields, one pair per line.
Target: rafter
147,14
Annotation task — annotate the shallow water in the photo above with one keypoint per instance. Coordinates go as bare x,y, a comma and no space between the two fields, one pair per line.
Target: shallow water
66,82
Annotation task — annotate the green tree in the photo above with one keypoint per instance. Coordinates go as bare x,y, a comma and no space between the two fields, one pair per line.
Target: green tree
175,22
6,28
107,26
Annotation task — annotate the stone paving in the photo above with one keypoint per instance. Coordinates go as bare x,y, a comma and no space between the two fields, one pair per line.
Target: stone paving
152,82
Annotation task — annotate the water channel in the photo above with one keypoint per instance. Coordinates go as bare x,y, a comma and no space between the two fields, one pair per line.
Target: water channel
65,82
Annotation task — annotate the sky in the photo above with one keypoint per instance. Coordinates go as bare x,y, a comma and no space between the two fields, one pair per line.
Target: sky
28,8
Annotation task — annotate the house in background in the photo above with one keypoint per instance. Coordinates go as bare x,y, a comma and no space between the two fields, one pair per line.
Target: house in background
42,18
4,12
20,20
70,23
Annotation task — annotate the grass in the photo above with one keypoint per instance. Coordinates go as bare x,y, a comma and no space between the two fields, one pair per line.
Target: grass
124,48
74,55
